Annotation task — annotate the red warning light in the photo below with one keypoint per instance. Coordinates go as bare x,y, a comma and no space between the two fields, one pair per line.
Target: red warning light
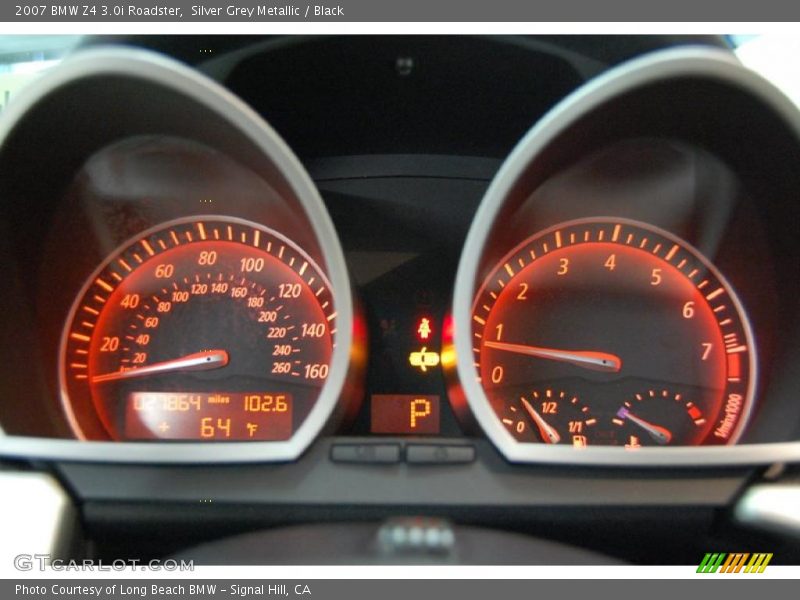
424,330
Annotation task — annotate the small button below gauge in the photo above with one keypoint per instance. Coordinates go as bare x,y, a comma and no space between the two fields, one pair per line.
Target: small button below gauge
439,454
366,453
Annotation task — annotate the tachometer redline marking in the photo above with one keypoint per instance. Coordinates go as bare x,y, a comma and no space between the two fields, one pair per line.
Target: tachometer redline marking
734,367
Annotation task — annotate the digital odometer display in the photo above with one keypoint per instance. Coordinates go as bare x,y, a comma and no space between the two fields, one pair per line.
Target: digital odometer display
188,309
213,416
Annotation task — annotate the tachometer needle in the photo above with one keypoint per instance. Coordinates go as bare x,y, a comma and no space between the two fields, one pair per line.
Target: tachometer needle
549,434
588,359
199,361
660,435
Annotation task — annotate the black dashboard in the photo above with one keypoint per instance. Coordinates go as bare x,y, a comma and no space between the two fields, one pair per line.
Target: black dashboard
545,286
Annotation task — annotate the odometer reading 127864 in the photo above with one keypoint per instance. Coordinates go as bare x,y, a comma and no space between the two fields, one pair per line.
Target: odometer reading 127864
613,332
200,329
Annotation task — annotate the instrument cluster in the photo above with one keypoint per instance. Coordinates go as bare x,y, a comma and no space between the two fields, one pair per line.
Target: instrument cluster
620,288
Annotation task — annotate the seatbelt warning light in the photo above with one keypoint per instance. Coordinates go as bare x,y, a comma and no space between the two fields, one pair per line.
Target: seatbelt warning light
424,329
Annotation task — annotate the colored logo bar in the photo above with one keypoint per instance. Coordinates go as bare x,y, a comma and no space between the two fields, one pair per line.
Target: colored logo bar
734,562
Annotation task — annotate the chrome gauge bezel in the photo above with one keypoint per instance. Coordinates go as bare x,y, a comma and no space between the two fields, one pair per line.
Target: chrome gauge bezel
715,65
175,77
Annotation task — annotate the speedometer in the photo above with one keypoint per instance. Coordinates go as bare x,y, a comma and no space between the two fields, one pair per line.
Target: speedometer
208,328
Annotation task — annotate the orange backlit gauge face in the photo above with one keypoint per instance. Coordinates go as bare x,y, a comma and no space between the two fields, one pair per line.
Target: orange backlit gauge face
613,332
202,330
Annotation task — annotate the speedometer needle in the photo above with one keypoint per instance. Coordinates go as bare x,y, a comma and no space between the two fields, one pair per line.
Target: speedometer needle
660,435
199,361
549,434
588,359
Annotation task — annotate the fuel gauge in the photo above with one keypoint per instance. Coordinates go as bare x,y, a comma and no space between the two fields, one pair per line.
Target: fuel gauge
550,416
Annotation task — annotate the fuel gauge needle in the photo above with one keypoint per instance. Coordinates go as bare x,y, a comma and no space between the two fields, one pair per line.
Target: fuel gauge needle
199,361
660,435
588,359
549,434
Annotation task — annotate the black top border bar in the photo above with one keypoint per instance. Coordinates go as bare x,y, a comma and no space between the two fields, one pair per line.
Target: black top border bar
418,11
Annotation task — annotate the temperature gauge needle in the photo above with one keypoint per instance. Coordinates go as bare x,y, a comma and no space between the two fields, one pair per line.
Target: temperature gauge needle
588,359
199,361
549,434
659,434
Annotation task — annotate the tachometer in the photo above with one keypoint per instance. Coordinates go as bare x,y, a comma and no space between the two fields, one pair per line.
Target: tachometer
209,328
613,332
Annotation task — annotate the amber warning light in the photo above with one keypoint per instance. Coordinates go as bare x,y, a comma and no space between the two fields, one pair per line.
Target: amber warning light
404,414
